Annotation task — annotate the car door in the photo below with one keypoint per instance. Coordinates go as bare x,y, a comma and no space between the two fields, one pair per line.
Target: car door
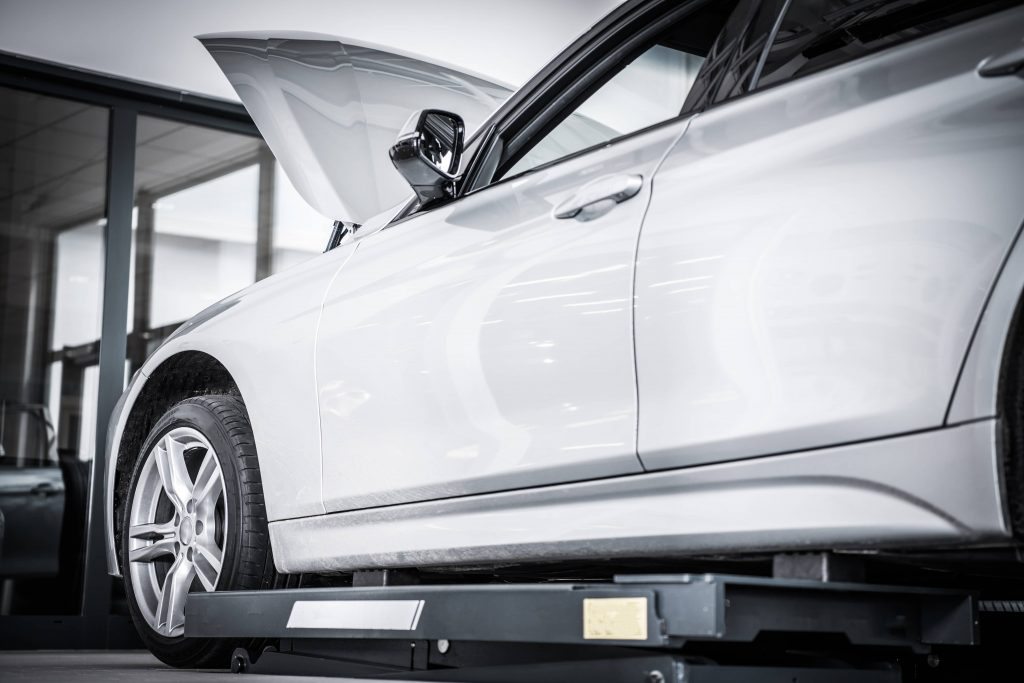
817,253
487,344
32,505
32,493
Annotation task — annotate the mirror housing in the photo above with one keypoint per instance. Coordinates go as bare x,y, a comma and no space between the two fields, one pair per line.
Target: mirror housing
428,151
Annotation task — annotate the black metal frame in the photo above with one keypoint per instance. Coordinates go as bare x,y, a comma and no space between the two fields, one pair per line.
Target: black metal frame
512,632
94,626
90,87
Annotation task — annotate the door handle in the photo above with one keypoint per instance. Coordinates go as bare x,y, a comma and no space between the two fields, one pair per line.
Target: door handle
44,490
599,196
1006,64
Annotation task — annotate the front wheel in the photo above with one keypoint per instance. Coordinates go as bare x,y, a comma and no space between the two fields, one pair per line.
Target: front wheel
195,521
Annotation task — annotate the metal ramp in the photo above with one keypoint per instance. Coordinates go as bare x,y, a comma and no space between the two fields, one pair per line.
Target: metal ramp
646,628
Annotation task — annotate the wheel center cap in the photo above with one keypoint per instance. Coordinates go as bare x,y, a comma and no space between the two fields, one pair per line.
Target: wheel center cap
185,531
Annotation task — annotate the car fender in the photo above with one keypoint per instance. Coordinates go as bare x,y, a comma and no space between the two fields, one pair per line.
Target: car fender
264,337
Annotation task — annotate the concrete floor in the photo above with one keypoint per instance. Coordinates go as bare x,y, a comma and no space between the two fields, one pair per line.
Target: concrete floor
44,666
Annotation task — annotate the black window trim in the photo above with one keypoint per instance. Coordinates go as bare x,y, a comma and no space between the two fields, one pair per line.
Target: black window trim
584,64
772,35
29,74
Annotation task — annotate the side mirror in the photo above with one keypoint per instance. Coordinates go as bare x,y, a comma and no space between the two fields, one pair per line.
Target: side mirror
428,151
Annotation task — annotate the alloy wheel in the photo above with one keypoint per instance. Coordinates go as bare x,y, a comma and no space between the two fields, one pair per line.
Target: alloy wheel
177,527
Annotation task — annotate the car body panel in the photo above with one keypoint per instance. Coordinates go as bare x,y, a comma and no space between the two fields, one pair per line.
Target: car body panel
869,495
330,108
486,345
816,256
32,506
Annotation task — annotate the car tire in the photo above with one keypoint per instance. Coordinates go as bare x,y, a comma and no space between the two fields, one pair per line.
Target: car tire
175,531
1012,406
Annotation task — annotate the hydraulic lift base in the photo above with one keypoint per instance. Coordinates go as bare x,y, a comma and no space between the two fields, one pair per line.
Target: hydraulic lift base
647,628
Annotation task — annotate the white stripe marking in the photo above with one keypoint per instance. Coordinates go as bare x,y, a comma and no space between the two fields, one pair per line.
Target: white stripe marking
361,615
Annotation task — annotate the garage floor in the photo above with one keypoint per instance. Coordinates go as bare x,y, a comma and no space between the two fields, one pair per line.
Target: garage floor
44,666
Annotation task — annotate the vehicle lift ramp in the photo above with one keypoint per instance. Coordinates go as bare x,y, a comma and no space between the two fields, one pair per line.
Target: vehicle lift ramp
632,628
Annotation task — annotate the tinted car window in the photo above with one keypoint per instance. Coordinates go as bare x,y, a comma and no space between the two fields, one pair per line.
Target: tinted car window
817,34
733,59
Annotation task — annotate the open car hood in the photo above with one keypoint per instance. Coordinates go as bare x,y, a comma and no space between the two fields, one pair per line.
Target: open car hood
330,108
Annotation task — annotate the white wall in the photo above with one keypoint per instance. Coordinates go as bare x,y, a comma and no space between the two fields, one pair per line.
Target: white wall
150,40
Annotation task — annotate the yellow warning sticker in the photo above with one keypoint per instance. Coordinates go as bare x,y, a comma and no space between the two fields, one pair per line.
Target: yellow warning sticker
615,618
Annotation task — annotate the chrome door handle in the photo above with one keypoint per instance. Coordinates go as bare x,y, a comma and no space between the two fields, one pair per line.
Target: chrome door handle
600,196
1006,64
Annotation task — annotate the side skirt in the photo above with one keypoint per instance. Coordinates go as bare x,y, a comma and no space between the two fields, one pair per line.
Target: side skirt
933,488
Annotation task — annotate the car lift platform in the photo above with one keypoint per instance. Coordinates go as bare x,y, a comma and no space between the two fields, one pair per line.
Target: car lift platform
682,628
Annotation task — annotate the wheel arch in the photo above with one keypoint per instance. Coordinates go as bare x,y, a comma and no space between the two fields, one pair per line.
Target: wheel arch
179,376
978,390
992,377
1010,410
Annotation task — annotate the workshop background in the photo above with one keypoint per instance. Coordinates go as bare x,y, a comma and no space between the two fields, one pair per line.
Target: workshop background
134,192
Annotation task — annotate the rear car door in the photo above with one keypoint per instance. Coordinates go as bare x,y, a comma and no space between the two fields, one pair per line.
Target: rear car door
818,251
487,344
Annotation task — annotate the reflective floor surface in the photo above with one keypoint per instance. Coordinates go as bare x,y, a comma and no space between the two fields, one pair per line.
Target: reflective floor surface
44,666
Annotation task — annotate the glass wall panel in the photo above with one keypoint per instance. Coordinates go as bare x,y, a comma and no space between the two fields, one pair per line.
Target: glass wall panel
204,245
53,167
213,213
78,286
197,194
300,232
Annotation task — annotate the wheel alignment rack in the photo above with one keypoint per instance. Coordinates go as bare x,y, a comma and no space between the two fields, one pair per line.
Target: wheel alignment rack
623,630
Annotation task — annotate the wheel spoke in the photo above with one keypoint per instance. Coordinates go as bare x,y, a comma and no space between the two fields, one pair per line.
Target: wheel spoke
208,482
152,532
170,464
160,548
207,562
162,535
170,612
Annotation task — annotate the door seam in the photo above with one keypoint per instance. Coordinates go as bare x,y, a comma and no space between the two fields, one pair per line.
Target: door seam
633,294
316,354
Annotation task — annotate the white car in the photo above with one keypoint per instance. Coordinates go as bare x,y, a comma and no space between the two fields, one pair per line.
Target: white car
726,277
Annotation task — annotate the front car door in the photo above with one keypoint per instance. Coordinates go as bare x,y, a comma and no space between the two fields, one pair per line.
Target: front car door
487,344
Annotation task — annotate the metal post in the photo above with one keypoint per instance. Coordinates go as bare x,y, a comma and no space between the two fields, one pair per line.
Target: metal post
137,342
120,181
265,215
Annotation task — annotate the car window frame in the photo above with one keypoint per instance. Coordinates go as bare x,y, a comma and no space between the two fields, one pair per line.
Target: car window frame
582,72
587,57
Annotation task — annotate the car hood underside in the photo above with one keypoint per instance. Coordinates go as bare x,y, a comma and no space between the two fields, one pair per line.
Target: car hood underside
330,108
